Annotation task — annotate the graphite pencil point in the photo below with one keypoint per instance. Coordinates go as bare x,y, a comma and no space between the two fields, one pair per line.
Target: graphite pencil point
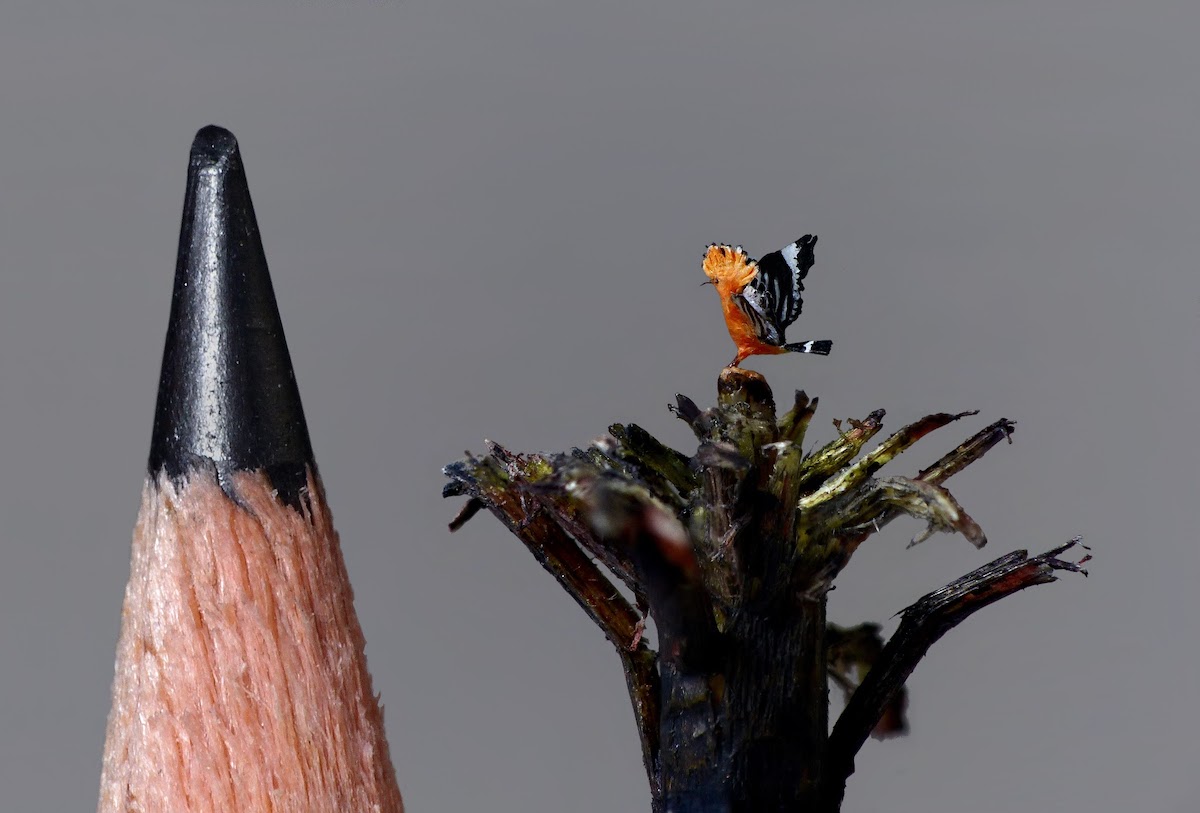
241,678
227,397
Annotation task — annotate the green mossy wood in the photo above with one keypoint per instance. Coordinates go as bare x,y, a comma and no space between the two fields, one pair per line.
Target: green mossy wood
732,551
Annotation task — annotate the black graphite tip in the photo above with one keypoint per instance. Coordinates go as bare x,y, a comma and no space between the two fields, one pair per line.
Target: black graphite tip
227,396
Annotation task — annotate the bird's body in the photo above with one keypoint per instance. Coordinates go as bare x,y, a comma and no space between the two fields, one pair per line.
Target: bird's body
759,299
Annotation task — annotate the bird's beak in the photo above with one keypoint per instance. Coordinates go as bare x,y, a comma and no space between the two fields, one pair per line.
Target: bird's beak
707,282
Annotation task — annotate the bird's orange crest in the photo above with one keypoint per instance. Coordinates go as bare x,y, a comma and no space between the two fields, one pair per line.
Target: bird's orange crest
728,268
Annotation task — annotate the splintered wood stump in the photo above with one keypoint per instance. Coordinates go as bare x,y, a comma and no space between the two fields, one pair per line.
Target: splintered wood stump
732,551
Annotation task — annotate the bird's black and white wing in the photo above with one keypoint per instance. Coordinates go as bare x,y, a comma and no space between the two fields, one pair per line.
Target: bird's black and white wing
772,299
764,325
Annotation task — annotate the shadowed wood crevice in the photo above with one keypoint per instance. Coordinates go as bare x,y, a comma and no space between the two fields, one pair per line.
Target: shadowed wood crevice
732,551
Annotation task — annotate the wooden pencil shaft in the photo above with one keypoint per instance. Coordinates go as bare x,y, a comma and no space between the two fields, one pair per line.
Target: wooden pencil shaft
241,681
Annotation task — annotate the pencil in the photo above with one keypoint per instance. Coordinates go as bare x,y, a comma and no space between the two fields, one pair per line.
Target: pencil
241,682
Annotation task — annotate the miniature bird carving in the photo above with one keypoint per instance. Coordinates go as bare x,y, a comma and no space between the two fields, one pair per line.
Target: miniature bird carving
760,298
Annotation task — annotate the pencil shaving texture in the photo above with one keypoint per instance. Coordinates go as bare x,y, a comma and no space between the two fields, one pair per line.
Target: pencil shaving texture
241,679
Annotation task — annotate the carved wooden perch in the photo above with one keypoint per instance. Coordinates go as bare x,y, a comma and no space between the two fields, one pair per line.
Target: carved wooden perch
732,551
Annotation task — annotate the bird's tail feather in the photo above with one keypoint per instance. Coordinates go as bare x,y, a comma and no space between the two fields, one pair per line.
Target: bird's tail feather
821,348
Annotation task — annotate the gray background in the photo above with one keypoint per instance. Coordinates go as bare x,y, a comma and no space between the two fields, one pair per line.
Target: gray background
485,219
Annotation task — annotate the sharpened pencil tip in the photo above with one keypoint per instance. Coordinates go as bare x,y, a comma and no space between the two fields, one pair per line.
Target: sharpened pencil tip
214,144
227,396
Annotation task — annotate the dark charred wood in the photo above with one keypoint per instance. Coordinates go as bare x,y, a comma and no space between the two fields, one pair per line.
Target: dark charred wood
732,550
